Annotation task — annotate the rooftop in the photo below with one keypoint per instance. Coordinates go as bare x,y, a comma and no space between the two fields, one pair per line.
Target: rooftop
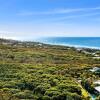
95,69
97,88
97,82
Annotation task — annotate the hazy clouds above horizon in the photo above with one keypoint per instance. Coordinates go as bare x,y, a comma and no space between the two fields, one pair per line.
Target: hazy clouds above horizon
27,19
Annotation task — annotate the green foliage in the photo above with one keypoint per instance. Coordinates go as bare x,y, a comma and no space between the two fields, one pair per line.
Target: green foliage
42,72
98,98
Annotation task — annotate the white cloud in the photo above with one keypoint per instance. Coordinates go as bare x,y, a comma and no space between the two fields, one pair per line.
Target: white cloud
57,11
51,30
76,16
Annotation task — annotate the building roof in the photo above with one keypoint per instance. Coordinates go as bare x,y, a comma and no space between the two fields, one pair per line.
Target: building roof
95,69
97,82
97,88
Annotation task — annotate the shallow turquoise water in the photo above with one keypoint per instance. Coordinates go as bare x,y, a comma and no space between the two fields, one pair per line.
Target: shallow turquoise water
91,42
93,97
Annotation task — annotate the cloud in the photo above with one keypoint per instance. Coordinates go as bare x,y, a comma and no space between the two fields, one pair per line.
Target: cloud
57,11
78,16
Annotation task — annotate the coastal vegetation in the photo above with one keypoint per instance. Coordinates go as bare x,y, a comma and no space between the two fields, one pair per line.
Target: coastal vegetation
36,71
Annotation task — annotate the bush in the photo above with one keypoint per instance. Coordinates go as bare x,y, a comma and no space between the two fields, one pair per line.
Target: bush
25,95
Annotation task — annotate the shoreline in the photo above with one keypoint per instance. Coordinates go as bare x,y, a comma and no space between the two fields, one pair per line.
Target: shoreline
69,45
57,44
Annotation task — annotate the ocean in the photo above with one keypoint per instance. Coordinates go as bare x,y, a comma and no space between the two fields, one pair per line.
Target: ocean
85,42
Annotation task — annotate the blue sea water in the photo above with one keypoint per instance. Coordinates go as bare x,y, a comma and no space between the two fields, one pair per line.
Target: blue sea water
88,42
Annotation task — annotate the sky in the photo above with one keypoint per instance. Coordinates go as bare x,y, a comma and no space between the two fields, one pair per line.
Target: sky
28,19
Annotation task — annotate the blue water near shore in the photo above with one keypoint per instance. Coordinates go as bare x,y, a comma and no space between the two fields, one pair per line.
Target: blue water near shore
93,97
88,42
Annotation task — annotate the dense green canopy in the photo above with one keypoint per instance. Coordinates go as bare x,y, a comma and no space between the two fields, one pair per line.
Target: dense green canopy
35,71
